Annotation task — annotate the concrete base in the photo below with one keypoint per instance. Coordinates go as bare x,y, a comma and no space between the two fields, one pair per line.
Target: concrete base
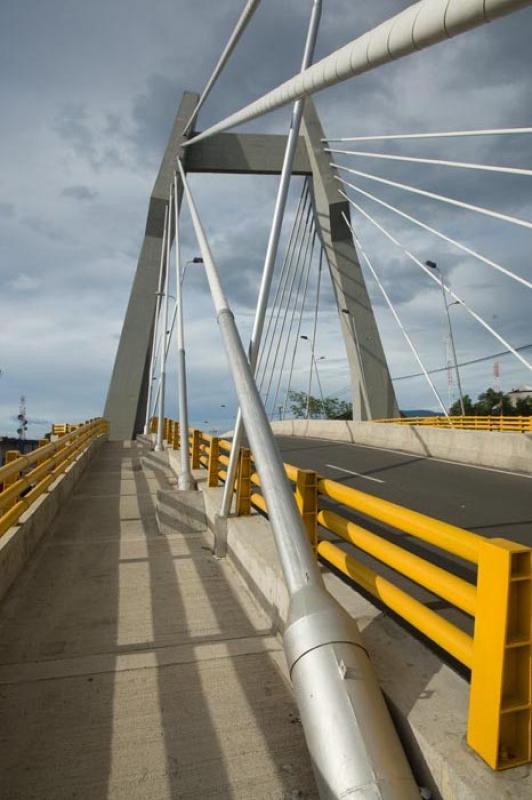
428,700
182,511
19,542
497,449
220,536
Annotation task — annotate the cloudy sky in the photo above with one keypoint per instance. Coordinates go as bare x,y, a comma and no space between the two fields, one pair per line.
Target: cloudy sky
88,93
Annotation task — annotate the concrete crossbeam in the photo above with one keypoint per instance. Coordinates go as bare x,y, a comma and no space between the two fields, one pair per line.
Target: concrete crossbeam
245,154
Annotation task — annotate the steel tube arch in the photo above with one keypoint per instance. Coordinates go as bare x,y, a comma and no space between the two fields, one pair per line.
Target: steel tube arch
271,250
353,745
421,25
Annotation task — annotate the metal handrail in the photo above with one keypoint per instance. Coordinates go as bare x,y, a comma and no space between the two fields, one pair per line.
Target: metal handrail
521,424
498,653
27,477
35,456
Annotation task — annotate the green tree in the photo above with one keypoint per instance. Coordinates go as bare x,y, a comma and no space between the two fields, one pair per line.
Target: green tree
329,408
492,403
523,407
469,407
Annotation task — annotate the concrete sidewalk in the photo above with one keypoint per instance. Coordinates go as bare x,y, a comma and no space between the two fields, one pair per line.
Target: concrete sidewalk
134,665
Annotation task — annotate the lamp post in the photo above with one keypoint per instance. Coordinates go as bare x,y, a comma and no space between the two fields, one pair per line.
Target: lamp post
313,363
436,268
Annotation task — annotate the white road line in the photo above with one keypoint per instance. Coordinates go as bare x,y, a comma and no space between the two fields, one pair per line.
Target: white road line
356,474
430,458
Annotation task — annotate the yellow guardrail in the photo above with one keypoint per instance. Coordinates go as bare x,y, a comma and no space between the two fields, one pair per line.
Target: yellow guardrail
494,423
498,653
23,478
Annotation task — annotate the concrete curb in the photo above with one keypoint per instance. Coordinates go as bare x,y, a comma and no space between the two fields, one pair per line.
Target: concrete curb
428,700
19,542
498,449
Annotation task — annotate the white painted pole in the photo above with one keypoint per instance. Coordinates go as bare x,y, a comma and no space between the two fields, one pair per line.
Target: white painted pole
271,252
353,746
242,23
185,479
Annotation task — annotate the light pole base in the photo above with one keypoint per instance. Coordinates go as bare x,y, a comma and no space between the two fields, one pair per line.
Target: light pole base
186,482
220,536
353,745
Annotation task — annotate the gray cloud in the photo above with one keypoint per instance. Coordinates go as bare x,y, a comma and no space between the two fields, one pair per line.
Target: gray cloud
7,210
76,123
84,136
79,193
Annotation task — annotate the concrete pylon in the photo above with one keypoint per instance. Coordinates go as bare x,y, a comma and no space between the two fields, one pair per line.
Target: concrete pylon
371,386
125,407
251,154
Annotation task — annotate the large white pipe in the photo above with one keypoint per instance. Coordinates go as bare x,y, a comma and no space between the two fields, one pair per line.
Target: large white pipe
421,25
353,746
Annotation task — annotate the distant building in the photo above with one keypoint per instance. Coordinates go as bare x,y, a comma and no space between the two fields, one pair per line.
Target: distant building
521,393
14,443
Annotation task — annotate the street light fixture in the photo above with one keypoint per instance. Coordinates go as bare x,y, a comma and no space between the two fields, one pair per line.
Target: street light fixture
314,362
432,265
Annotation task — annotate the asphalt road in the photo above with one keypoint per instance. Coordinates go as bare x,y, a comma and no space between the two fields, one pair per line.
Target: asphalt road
489,502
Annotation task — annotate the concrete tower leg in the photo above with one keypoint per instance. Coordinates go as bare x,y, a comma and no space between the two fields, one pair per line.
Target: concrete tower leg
371,386
125,407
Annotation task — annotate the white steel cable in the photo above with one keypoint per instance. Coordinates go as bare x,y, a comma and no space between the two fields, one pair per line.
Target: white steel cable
447,288
289,284
298,329
314,330
438,233
439,135
433,196
421,25
396,317
434,161
284,274
242,23
311,235
305,238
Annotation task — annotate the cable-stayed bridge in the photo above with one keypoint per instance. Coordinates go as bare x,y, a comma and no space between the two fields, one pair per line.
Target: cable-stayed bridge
140,648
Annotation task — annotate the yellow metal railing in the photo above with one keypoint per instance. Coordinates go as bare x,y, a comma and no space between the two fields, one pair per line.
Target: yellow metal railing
498,653
23,478
493,423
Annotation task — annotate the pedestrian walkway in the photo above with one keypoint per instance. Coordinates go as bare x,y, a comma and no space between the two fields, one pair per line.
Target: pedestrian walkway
135,665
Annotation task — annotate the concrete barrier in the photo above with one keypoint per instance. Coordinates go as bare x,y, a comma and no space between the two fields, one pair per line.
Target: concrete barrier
19,542
498,449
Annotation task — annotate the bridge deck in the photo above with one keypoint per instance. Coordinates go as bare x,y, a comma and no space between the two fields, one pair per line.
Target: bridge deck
134,665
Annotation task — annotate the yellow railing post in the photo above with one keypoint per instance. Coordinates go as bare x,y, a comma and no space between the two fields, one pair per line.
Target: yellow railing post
195,451
166,428
213,466
11,455
307,502
500,703
154,424
43,443
175,436
243,487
